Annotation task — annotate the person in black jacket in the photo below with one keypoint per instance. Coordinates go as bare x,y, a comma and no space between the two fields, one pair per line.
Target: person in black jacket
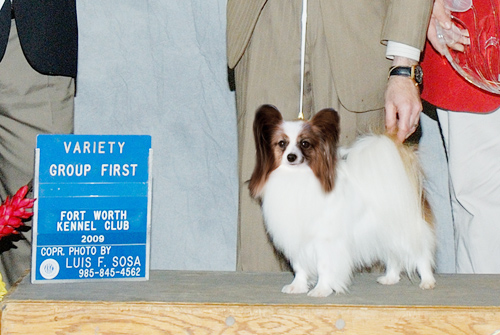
38,67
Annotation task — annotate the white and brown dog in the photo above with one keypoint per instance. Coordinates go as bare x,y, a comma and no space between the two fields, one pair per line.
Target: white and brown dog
331,213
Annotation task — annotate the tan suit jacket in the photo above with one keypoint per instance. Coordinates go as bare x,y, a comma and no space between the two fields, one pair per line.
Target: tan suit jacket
356,31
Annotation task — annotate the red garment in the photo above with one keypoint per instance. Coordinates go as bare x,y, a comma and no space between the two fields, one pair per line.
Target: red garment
445,88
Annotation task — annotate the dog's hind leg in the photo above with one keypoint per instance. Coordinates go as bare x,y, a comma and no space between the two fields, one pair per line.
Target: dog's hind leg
424,269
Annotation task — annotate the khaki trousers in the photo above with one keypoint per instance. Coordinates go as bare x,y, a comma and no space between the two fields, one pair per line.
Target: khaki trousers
269,73
30,104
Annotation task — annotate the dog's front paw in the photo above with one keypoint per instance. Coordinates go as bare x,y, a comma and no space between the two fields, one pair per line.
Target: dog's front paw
295,288
428,284
388,279
320,291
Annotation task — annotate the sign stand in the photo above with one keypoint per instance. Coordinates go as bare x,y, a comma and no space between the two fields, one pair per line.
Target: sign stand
92,216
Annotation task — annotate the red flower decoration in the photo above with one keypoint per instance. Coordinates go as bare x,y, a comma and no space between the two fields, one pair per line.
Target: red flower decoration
13,211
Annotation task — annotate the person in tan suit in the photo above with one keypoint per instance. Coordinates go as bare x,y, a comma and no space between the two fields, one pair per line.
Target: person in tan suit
351,46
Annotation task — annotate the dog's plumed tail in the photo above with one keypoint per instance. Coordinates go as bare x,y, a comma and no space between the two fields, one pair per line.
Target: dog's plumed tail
409,156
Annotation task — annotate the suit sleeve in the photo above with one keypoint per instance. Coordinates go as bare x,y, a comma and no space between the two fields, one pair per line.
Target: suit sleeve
242,16
406,22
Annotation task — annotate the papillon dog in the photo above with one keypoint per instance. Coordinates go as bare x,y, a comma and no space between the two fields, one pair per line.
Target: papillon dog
333,210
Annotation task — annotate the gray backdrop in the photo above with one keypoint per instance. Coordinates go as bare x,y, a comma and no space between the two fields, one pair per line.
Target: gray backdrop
158,67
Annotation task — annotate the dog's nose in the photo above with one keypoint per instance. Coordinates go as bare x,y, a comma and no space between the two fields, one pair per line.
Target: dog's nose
291,157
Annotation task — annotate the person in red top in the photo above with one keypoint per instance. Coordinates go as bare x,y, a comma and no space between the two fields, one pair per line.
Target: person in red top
470,123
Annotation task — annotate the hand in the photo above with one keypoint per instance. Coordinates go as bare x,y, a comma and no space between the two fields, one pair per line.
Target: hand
454,37
402,106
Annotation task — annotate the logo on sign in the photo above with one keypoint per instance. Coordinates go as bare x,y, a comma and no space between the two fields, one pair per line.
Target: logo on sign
49,268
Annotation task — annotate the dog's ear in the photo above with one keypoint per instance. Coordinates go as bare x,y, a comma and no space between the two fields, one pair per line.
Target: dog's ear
267,119
326,124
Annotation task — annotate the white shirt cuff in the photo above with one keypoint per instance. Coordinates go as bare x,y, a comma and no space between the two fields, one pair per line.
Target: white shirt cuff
402,50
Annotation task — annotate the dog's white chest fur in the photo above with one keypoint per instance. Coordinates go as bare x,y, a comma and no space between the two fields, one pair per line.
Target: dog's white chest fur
298,195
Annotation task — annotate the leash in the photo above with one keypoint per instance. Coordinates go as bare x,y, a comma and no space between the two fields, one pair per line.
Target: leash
302,57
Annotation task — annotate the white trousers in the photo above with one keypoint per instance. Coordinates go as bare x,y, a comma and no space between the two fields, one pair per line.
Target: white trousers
472,144
433,159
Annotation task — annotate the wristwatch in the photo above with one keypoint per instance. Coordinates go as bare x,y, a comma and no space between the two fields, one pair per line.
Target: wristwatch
414,72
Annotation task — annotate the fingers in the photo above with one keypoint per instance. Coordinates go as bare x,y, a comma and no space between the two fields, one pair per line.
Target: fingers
407,125
391,120
403,127
434,38
441,14
402,107
442,30
455,37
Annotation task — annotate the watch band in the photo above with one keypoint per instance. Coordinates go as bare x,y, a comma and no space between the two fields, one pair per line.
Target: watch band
413,72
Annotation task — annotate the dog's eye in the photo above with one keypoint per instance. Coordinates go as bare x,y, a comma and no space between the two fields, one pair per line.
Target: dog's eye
282,144
305,144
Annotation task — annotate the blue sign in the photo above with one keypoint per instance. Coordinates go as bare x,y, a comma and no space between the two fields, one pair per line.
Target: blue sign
92,216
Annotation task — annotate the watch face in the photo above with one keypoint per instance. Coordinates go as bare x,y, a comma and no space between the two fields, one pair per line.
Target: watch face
419,74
